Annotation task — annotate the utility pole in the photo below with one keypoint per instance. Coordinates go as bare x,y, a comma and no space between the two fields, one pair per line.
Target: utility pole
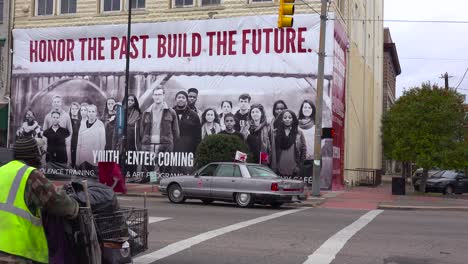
127,84
319,102
446,78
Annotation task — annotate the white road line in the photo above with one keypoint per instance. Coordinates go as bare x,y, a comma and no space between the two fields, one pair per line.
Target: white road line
125,199
152,219
326,253
187,243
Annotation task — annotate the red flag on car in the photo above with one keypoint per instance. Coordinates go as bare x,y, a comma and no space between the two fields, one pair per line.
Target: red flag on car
264,158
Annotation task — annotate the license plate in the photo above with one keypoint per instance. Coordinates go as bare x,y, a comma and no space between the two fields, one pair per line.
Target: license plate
295,198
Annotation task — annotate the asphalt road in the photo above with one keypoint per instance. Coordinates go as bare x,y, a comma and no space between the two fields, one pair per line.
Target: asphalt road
222,233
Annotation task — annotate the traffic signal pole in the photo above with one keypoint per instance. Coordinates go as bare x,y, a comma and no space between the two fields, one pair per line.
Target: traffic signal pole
319,102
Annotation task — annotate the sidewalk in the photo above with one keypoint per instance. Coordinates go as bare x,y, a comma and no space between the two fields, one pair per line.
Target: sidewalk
362,198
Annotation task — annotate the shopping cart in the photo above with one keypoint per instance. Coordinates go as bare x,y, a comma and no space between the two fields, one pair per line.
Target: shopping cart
109,237
118,235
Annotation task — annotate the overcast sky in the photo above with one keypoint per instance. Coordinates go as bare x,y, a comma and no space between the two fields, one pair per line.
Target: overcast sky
427,50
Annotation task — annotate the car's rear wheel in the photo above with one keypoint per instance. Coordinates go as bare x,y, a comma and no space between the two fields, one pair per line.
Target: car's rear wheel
244,199
448,190
276,205
175,194
207,201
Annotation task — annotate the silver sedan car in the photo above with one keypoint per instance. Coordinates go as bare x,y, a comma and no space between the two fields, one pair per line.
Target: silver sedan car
242,183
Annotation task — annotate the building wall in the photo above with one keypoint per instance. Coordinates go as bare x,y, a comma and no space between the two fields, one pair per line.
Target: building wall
4,58
364,78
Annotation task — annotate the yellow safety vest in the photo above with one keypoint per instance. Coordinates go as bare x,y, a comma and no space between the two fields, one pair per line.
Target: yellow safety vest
21,231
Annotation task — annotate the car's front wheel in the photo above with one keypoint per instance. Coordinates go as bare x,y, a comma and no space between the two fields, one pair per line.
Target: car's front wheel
244,199
175,194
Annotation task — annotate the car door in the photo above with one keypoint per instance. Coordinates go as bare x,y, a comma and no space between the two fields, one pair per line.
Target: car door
226,181
200,186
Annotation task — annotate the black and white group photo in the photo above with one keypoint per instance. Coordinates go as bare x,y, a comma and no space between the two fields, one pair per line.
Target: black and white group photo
75,118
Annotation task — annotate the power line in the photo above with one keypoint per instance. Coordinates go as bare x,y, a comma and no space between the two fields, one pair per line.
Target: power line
405,20
311,7
463,78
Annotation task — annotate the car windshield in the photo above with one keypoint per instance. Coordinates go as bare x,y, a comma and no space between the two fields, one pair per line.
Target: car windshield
449,175
437,174
260,171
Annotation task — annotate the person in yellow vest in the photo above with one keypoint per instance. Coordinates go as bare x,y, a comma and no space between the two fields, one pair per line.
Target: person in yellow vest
24,191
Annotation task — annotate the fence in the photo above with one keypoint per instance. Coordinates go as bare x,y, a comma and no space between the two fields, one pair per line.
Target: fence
367,177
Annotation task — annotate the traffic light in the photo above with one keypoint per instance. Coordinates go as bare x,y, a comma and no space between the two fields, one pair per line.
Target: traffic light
285,12
328,132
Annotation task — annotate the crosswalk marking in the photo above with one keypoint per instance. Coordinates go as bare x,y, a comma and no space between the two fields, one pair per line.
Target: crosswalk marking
153,219
190,242
326,253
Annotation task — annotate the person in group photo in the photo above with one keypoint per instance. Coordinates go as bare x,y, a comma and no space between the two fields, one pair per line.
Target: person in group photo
159,128
65,121
289,145
257,132
30,127
134,114
226,108
189,125
84,111
230,122
307,126
192,99
91,137
56,135
242,115
278,107
75,116
108,117
210,123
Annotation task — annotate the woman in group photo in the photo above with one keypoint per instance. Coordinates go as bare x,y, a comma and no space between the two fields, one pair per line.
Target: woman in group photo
30,126
75,117
226,108
307,126
257,132
290,146
108,117
91,137
278,107
210,123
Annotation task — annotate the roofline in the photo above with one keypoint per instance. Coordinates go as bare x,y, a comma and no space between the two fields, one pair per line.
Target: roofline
390,47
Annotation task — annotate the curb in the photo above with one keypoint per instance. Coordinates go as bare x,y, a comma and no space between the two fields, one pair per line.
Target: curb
148,195
308,203
426,208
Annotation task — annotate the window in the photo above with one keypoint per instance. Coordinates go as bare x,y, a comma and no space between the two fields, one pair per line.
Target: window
183,3
138,4
110,5
210,2
67,6
209,170
260,171
228,170
1,11
44,7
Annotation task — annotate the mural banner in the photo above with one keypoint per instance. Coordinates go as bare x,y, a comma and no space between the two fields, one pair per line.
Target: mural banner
188,80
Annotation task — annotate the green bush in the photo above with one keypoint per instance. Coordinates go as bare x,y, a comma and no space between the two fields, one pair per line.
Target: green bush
218,148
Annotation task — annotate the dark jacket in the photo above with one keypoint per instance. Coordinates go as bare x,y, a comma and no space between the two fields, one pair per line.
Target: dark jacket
190,130
169,127
241,118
